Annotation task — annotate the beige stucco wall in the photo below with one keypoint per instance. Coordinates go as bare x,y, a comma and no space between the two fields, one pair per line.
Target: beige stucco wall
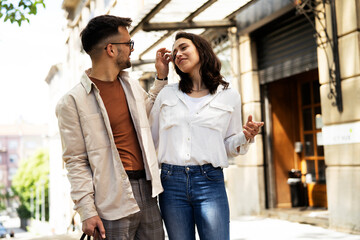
343,160
245,179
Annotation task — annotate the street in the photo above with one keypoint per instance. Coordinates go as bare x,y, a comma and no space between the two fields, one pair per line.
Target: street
245,228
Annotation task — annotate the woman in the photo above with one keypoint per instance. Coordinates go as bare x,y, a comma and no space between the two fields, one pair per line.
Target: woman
196,126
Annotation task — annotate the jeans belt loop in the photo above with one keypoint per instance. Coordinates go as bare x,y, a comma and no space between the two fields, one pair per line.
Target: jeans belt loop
202,169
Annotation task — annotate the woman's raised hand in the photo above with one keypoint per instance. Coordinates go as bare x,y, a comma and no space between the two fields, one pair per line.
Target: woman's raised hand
163,57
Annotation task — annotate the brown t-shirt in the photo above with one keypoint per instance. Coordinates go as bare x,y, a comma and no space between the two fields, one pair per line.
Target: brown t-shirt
122,126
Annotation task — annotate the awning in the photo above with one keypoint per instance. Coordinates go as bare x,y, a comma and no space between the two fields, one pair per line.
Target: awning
157,23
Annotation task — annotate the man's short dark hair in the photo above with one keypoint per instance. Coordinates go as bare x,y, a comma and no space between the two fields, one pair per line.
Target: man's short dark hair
100,28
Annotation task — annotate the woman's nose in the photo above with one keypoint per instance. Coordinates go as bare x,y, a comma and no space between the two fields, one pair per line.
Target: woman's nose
178,55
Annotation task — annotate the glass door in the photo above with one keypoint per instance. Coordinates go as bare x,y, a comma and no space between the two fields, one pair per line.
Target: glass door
312,156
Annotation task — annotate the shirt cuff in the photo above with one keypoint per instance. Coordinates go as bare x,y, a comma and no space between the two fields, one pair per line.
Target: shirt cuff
87,211
240,141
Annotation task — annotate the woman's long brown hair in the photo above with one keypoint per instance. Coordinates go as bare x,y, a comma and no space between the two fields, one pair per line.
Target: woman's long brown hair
210,65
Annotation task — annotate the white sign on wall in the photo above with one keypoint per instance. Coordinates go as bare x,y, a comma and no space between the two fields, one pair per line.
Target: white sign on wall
341,134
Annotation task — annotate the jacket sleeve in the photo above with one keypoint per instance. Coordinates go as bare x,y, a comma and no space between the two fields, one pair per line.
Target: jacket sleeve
154,121
234,136
152,94
75,157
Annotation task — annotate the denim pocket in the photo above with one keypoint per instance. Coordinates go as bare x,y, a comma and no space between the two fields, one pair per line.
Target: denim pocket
215,174
164,174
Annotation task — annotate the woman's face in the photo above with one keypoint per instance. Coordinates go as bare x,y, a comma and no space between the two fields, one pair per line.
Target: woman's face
186,56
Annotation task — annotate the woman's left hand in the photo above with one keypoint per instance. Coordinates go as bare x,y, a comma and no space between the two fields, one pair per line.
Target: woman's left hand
251,128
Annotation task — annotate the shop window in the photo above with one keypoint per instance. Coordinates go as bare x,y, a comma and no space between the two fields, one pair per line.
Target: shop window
316,89
305,94
309,145
321,167
313,153
310,166
307,119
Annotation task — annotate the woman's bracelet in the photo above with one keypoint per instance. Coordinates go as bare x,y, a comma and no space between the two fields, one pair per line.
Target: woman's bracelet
161,79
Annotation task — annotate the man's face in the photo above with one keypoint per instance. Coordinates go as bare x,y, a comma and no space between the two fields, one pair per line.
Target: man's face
123,50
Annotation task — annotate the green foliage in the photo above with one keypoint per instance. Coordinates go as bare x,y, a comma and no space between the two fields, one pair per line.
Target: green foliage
23,212
19,12
31,174
4,196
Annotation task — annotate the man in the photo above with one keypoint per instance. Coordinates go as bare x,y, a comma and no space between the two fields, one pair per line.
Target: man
106,139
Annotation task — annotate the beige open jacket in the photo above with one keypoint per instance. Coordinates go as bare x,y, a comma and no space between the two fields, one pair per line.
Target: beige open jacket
99,183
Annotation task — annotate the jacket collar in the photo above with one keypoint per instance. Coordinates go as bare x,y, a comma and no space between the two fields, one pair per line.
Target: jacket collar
88,84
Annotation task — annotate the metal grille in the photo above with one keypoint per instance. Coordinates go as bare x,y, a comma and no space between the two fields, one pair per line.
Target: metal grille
285,47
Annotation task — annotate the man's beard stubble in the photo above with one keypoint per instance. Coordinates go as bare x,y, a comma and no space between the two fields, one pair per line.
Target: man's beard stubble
123,65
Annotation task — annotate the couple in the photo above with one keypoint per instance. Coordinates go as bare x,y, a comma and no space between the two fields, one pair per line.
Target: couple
108,143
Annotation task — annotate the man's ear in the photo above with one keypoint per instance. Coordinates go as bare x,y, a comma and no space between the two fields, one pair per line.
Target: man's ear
109,50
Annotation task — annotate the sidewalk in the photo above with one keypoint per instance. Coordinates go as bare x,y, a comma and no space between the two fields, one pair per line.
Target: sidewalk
259,228
246,228
314,216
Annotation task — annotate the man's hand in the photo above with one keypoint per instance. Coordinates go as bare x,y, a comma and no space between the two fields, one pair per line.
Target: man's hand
89,225
251,128
163,57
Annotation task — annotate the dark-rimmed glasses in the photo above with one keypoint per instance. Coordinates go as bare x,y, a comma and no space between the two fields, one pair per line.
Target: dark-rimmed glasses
130,43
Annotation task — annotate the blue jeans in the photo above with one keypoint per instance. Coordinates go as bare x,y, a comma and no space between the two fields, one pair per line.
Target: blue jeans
194,195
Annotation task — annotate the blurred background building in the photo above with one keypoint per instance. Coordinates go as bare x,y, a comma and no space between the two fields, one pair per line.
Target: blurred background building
17,141
296,64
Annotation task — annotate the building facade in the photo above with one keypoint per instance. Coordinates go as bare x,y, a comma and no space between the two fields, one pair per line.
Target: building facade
18,142
299,70
296,65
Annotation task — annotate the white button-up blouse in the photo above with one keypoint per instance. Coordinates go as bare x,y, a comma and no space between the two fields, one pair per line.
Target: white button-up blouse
211,135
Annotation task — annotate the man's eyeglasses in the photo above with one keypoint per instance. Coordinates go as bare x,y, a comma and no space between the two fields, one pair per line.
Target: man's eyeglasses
130,43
